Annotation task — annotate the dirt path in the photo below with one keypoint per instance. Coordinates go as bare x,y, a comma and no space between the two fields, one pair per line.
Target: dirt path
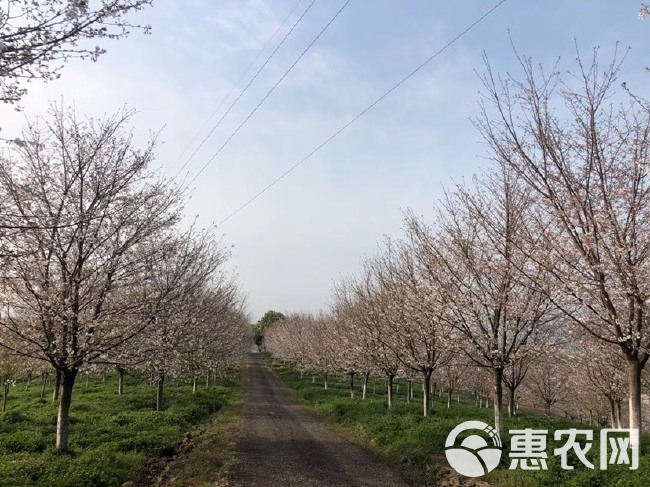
282,445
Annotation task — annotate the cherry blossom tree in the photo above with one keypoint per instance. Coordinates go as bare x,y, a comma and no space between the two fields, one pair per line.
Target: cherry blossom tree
603,373
362,306
549,381
10,366
352,355
452,376
478,247
584,154
416,331
89,216
313,342
513,375
187,296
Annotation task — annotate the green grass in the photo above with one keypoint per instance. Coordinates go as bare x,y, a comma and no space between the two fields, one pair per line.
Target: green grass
213,452
415,445
112,438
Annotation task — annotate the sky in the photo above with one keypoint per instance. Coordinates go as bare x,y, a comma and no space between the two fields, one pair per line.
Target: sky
291,243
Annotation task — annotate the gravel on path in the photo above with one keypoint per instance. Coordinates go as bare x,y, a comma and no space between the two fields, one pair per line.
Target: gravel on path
282,445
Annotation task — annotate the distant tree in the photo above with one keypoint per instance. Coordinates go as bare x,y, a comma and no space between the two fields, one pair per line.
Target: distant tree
263,323
10,365
268,319
419,337
548,380
364,308
603,373
37,37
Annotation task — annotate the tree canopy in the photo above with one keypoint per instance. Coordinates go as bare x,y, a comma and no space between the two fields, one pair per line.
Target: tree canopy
264,322
37,37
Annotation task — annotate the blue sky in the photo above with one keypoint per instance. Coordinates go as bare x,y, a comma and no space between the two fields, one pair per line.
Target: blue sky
317,222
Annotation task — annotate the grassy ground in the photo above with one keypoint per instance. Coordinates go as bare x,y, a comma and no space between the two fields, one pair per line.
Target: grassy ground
415,445
112,438
211,454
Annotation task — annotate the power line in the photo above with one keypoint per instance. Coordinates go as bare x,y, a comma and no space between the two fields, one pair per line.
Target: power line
302,54
286,36
362,113
223,100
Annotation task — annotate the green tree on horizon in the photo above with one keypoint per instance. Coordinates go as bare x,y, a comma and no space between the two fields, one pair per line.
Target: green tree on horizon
263,323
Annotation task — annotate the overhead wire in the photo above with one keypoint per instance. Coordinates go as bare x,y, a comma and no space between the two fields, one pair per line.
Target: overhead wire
250,82
362,113
277,83
234,86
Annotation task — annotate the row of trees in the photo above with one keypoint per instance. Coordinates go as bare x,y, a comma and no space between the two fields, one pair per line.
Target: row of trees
553,380
96,268
541,264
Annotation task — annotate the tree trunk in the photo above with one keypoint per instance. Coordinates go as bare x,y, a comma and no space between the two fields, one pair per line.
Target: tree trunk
619,417
207,379
160,384
120,381
63,418
29,381
43,382
449,393
634,393
498,400
352,385
409,391
5,396
195,380
511,401
612,412
325,380
389,386
426,387
57,386
365,385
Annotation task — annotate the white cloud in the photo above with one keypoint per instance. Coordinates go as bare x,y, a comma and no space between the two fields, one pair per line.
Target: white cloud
246,24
